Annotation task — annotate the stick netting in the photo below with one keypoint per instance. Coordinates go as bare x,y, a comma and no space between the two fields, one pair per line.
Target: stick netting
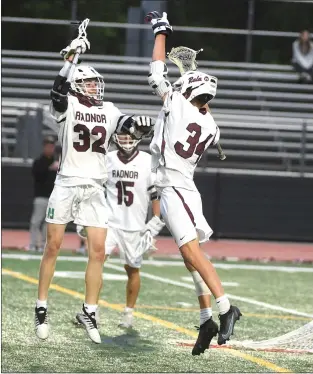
184,58
300,340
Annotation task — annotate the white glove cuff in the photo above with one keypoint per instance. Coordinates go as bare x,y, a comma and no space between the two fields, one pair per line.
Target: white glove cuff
155,225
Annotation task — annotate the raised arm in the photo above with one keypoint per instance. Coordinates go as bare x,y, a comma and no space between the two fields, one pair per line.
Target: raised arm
61,87
157,77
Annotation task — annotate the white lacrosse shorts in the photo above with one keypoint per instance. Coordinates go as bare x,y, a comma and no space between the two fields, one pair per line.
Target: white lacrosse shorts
128,243
85,205
181,210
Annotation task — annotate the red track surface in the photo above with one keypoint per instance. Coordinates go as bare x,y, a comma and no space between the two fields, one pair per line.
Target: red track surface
221,249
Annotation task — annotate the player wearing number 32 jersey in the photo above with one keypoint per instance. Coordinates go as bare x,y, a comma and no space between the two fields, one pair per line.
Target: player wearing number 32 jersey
86,125
183,131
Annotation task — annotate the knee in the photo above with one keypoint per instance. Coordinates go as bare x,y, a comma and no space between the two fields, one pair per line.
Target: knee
52,248
97,252
131,272
188,253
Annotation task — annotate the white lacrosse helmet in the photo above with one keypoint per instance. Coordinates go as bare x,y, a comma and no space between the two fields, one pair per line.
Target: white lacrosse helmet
125,143
195,83
82,82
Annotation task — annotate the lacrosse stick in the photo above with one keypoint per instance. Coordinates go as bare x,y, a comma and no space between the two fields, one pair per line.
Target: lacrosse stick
82,33
185,59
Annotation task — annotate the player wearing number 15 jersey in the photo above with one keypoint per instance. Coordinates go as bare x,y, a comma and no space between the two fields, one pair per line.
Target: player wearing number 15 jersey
129,191
184,129
86,126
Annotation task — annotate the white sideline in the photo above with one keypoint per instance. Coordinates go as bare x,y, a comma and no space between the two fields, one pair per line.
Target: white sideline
169,281
160,263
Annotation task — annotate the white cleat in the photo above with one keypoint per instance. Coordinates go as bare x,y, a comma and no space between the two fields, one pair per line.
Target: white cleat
90,324
127,321
41,323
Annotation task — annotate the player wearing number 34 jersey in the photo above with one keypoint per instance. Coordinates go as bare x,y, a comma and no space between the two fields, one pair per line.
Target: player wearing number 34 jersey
184,130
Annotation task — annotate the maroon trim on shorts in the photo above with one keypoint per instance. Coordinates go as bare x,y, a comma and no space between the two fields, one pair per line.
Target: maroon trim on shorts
192,218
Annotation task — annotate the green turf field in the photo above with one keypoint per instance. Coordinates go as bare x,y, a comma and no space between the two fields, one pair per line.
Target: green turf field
164,324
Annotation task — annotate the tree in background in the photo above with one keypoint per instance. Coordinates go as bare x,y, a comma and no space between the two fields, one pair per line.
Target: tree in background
269,15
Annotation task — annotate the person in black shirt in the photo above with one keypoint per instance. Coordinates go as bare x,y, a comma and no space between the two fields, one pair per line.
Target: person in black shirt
44,172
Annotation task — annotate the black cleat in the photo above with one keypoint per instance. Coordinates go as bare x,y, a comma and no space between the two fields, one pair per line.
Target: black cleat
227,323
207,331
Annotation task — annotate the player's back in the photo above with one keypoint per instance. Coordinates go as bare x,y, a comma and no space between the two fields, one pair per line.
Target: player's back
84,134
182,134
128,189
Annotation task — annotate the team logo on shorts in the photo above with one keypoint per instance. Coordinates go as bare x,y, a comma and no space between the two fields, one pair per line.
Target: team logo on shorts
50,213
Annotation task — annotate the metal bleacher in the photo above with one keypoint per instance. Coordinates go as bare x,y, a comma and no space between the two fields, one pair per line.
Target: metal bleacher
265,116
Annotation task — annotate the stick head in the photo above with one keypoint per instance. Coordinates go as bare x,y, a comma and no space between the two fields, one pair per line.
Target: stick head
184,58
152,15
82,28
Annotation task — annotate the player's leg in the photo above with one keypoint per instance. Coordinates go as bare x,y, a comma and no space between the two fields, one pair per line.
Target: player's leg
208,328
128,243
96,254
58,214
228,314
92,213
55,233
133,286
93,281
43,231
181,211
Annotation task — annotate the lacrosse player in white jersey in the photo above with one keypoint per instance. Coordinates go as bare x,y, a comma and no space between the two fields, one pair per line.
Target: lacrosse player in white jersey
129,191
86,124
183,131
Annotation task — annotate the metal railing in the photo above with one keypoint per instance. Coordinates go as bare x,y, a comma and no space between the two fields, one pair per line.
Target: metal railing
214,30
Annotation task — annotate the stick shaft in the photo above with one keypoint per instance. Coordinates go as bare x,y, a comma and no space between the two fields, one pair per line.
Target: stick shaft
220,152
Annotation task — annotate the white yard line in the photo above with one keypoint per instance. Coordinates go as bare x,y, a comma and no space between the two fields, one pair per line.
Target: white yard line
225,266
233,297
226,284
178,283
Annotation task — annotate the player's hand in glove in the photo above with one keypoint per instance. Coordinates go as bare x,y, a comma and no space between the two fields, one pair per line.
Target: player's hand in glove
143,127
81,231
152,229
82,43
160,25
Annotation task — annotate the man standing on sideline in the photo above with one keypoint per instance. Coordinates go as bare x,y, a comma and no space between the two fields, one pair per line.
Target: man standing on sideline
44,172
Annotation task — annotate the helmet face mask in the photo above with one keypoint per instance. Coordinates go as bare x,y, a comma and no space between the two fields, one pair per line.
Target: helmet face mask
195,83
125,144
88,82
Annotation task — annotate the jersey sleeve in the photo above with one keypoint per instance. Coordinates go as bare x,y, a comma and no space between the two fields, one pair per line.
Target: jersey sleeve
151,187
60,117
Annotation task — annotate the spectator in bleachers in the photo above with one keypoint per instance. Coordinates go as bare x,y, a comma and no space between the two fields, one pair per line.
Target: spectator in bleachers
302,57
44,173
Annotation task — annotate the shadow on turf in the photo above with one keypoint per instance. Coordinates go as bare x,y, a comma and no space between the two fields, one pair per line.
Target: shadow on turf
130,339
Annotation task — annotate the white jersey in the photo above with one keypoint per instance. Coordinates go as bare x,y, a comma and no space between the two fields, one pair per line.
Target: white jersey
181,135
84,134
129,190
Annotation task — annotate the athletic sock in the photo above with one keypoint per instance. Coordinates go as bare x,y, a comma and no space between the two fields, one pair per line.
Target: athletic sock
205,314
41,304
128,310
223,304
90,308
